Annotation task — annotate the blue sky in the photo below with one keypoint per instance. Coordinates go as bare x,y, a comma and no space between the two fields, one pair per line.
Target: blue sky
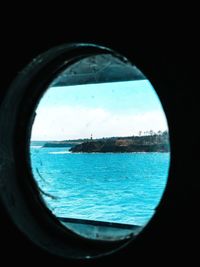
108,109
119,96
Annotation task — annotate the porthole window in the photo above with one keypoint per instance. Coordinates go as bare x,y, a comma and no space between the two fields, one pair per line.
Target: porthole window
94,154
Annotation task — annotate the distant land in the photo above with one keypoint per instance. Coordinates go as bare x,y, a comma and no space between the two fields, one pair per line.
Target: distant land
64,143
153,142
150,143
38,143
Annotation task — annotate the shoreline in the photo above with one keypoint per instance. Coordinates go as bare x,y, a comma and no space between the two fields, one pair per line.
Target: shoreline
155,142
102,153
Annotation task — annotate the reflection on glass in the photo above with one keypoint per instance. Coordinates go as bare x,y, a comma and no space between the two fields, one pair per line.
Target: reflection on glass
100,148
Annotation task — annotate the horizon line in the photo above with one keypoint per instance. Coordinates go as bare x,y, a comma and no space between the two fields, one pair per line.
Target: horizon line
104,137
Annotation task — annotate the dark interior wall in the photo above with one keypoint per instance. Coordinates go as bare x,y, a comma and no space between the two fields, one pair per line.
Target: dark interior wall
166,55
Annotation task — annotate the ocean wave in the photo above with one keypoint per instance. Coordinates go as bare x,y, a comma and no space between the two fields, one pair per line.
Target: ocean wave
36,146
60,152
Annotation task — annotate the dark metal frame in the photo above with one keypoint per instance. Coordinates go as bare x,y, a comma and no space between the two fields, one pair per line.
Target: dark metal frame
19,191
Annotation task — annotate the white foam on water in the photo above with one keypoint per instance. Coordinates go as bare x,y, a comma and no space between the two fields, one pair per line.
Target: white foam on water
60,152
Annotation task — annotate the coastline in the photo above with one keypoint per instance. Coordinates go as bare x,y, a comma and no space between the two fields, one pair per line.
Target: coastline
154,142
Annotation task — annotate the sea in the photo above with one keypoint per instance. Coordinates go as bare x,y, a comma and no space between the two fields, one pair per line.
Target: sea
111,187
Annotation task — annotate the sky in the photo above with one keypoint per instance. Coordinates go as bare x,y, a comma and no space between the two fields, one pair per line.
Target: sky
103,110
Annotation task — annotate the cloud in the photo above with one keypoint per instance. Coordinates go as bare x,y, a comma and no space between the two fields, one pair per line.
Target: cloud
71,122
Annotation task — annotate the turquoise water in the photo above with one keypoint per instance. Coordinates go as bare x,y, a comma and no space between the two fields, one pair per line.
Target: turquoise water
113,187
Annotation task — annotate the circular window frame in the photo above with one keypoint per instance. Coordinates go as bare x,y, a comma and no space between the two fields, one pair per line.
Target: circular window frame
20,193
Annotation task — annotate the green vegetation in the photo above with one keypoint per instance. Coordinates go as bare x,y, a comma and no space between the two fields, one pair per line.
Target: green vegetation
144,142
150,142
